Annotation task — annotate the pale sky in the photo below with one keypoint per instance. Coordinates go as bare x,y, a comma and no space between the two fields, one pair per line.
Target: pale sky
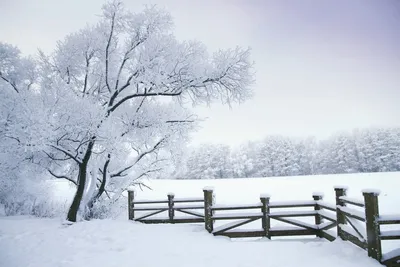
322,65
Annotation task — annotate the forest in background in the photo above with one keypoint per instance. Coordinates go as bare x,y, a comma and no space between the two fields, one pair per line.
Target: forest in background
359,151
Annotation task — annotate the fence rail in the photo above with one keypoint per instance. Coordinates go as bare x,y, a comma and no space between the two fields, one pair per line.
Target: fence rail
356,221
185,206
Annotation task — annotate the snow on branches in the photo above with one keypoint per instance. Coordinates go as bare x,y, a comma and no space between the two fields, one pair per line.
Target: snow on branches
108,106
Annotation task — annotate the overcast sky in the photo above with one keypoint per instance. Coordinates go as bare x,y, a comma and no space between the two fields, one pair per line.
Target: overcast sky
322,65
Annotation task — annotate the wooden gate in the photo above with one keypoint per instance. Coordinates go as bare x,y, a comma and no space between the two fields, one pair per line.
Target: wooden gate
351,222
187,208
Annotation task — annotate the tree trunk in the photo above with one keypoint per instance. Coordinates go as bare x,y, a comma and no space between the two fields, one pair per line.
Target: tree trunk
74,208
101,190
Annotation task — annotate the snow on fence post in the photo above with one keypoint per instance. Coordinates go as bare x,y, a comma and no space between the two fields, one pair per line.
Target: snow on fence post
266,221
171,212
131,205
340,191
318,218
208,212
372,224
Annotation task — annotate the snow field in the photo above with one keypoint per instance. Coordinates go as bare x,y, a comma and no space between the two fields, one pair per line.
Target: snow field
117,243
46,242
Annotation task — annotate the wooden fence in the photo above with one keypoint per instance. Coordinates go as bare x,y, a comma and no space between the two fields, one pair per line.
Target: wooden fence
356,221
183,205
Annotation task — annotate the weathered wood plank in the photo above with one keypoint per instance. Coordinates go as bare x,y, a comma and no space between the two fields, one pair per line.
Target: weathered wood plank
234,216
241,234
353,239
171,203
389,219
175,220
278,232
318,218
150,201
265,220
391,258
327,205
393,262
326,215
208,212
131,198
356,229
297,223
390,235
374,243
352,213
236,207
189,207
340,191
292,204
353,201
326,226
149,215
191,213
292,213
150,208
328,236
232,225
188,200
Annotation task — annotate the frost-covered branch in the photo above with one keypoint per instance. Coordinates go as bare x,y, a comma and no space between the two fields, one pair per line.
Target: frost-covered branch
69,154
13,85
62,177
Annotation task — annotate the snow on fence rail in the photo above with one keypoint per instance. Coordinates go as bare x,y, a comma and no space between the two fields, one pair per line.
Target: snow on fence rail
355,221
182,205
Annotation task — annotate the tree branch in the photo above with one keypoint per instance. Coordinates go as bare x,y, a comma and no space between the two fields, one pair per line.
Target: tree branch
104,181
9,82
117,92
62,177
120,173
114,107
108,50
67,153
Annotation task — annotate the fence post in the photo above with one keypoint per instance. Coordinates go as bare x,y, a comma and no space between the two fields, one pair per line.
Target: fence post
265,211
208,213
372,224
171,211
340,191
131,205
318,218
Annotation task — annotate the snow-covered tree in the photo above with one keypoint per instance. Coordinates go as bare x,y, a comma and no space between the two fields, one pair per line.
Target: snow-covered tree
365,150
209,161
112,97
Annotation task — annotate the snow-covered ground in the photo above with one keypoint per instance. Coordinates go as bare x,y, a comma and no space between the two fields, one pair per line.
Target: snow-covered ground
46,242
235,191
107,243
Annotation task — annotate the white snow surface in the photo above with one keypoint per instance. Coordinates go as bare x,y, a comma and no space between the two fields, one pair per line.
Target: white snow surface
117,243
34,242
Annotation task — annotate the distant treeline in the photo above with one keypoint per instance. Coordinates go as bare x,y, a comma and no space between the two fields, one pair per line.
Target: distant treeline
363,150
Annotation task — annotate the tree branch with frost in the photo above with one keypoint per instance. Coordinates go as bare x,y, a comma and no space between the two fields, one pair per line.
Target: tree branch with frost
108,51
62,177
68,153
126,98
138,158
13,85
54,158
